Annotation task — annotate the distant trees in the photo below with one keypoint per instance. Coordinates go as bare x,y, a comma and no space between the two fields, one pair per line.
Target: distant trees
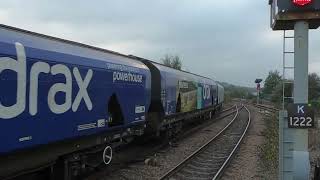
314,87
314,90
276,95
273,88
173,61
277,92
271,82
232,91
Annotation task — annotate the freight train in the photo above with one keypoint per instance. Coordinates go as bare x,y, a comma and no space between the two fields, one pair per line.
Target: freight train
62,102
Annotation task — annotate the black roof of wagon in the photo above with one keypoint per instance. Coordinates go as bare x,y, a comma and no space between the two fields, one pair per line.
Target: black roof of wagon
89,46
143,59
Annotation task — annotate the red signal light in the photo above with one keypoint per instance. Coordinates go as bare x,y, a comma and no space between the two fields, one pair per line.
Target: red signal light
301,2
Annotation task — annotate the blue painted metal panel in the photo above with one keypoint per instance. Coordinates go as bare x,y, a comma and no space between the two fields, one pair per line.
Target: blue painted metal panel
196,92
66,95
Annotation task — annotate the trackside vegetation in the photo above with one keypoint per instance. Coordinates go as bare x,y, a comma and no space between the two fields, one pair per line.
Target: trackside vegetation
269,150
272,90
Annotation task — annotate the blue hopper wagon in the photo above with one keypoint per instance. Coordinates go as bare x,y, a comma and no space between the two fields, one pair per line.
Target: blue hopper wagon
62,103
59,97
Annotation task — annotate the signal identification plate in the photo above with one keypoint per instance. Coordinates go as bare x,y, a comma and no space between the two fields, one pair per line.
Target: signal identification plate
300,116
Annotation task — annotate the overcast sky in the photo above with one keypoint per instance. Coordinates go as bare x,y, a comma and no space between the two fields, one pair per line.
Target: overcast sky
229,41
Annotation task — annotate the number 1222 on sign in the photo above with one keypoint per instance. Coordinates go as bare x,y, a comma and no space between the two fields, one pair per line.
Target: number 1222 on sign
300,122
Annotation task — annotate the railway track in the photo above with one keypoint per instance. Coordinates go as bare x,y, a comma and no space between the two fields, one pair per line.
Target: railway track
210,160
267,108
138,156
222,114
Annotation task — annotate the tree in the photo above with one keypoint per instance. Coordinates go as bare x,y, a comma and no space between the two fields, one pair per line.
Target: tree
314,87
173,61
271,82
277,93
273,86
233,91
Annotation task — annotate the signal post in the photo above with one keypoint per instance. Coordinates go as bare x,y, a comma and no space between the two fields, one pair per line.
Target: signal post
296,118
258,81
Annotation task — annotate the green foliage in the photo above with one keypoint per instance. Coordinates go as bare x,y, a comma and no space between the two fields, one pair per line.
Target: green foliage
314,87
269,150
232,91
273,88
314,90
173,61
271,82
276,96
315,104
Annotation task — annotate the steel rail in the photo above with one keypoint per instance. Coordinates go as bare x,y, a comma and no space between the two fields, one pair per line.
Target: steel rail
222,114
266,107
228,109
184,162
223,167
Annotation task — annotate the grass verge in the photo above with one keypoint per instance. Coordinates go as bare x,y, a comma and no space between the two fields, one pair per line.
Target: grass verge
269,150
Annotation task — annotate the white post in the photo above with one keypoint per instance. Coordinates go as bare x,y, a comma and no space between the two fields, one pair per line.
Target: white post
300,136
